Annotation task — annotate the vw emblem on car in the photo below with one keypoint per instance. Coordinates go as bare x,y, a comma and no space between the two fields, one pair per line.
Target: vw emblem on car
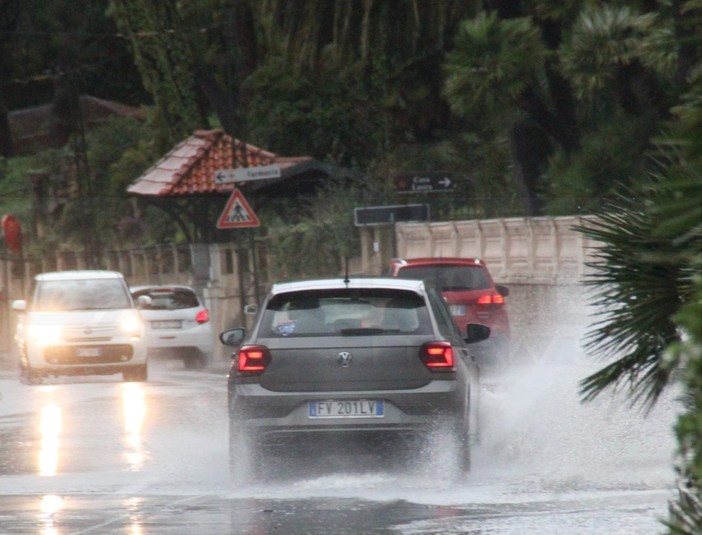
345,359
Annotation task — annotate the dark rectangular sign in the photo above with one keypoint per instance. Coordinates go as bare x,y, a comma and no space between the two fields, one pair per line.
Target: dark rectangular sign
424,183
381,215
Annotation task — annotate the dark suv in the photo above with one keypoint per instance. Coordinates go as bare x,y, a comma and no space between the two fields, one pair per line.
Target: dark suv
365,358
469,290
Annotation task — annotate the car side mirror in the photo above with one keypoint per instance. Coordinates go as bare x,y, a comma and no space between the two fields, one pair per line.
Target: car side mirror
232,337
476,332
502,290
19,305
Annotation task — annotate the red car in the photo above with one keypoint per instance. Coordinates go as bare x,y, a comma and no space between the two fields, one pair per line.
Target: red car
472,295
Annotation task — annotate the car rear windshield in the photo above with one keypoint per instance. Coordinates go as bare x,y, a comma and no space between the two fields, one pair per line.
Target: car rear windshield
81,294
448,277
169,298
345,312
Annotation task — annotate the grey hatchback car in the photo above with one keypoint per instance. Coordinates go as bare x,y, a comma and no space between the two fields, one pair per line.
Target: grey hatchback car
366,358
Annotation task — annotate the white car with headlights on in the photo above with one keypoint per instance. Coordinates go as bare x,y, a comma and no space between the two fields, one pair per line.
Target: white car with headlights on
81,322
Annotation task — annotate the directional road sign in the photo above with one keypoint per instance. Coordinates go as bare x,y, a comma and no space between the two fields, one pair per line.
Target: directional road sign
381,215
247,174
424,183
237,213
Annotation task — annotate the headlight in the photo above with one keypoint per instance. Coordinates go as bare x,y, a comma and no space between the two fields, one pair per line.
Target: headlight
45,335
131,325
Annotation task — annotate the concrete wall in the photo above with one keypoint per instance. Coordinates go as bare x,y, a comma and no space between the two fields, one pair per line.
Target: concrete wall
541,250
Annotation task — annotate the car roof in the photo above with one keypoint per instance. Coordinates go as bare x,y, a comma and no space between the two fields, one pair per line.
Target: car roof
78,274
444,260
354,282
160,287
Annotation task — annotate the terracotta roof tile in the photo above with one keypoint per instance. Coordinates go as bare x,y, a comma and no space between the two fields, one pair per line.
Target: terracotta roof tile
189,168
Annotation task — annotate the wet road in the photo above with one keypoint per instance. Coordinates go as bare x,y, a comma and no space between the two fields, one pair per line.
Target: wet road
95,455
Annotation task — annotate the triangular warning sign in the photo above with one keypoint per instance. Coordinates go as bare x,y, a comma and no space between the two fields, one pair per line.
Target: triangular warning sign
237,213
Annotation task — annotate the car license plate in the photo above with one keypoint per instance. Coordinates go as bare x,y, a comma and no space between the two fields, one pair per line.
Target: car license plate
458,310
87,352
166,324
347,408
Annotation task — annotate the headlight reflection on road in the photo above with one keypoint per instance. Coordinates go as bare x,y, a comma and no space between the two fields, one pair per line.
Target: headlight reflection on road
50,429
50,505
134,410
133,506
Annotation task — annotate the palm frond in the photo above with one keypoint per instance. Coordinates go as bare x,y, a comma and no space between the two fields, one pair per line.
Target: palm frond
638,282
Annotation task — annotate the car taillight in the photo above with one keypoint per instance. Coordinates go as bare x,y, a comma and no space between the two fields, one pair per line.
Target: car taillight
253,359
437,355
491,299
203,316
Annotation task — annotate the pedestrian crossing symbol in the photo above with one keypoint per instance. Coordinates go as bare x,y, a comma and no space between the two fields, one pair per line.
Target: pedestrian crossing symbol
237,213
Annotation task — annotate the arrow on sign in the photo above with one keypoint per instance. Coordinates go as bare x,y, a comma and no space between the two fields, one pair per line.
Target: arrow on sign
237,213
224,176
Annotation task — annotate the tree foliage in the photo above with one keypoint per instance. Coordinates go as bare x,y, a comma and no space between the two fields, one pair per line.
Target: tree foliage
166,62
638,286
681,216
317,239
648,276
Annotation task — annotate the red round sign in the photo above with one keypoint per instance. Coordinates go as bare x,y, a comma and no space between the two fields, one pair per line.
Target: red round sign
12,230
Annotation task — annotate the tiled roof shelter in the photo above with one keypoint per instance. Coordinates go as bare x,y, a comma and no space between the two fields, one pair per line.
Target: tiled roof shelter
183,181
189,169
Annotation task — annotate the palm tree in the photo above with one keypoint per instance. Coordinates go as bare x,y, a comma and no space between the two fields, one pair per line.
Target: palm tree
640,279
498,74
683,222
648,283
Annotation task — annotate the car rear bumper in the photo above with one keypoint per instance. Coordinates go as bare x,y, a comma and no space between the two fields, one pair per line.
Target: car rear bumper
254,411
179,352
193,338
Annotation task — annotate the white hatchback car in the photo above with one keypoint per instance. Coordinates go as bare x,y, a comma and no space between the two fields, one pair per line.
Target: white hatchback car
81,322
177,324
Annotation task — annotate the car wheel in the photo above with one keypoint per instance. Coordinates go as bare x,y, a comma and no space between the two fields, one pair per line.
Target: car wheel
462,442
474,412
194,362
137,374
29,376
462,449
242,458
463,453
